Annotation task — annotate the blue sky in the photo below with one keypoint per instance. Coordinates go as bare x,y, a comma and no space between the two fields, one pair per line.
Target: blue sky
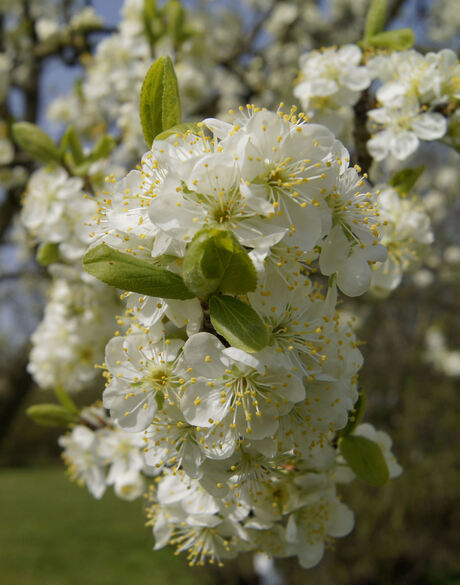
59,78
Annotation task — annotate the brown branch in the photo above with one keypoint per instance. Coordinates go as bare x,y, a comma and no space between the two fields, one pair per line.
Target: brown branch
360,132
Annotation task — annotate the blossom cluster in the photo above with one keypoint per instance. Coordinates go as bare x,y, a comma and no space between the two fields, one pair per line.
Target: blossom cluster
407,235
414,98
55,211
80,314
416,95
330,83
79,319
244,441
98,455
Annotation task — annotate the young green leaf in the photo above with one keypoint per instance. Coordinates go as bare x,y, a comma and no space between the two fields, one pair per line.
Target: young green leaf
354,416
154,27
216,261
365,459
103,148
238,323
160,102
175,18
72,141
37,143
48,253
180,130
65,400
51,415
404,180
376,18
127,272
396,40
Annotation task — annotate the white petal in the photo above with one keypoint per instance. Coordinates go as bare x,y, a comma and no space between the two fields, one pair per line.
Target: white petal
245,359
379,145
355,276
343,521
357,78
202,405
391,92
185,313
311,554
203,353
430,126
335,249
350,54
323,87
403,145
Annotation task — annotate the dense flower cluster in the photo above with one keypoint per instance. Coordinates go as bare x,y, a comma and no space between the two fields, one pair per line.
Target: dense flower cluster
56,210
270,174
80,315
415,87
416,95
98,455
331,82
78,321
406,235
244,441
244,444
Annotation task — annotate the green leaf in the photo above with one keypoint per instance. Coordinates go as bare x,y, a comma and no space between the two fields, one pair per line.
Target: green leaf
65,400
72,140
238,323
51,415
376,18
153,23
404,180
354,416
103,148
365,459
37,143
48,253
396,40
181,130
127,272
175,18
216,261
150,9
160,102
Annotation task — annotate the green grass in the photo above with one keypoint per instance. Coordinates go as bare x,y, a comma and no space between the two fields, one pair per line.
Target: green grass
53,532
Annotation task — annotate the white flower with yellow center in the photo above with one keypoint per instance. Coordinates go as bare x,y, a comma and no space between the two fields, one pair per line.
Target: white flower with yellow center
353,242
287,163
400,130
55,210
81,454
406,235
295,316
144,373
332,73
236,389
322,518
